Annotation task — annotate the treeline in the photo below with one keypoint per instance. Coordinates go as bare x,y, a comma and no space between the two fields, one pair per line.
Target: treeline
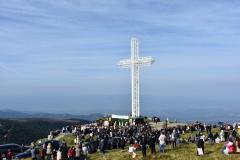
25,131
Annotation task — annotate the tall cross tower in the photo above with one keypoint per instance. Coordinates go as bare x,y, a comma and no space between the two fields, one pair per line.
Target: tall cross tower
135,62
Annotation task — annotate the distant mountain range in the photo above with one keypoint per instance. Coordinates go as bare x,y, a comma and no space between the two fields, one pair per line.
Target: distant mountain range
18,114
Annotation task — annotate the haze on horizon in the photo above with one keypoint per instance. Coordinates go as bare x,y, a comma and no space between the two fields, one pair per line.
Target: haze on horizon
61,56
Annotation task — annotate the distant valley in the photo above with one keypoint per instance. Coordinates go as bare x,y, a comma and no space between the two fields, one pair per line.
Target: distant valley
23,128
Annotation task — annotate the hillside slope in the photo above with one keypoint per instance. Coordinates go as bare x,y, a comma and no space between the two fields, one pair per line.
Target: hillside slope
24,131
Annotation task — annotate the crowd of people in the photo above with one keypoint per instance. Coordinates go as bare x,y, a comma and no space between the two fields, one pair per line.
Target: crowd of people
8,156
92,138
142,136
64,152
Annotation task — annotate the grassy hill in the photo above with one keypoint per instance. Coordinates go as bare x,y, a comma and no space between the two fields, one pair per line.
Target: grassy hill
24,131
183,152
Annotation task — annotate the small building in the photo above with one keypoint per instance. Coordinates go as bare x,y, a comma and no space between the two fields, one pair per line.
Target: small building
113,119
121,120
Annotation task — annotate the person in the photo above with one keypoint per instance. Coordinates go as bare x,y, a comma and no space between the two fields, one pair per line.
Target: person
77,152
202,136
144,146
144,149
229,147
42,153
200,146
49,151
216,135
174,139
209,129
85,151
4,157
222,136
64,151
237,144
9,154
162,142
131,150
152,142
102,146
210,138
59,155
54,154
166,123
122,143
217,140
226,134
33,153
191,138
71,153
234,133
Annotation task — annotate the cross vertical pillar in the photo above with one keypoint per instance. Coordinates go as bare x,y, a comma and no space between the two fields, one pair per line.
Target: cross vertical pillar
135,78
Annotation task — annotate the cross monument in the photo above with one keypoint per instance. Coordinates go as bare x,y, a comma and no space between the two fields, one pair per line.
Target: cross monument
135,62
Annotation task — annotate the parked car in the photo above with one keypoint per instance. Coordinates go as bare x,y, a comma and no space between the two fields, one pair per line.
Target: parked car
15,148
23,155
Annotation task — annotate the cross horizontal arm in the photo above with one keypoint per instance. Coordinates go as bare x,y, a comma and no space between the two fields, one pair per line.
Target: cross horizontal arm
144,61
125,63
141,61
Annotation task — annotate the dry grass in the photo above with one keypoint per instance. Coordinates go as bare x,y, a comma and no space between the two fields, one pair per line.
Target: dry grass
183,152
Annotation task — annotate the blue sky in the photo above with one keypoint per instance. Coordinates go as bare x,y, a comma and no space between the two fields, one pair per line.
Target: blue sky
61,56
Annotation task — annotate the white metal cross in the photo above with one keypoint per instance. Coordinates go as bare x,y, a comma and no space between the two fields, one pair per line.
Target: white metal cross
134,63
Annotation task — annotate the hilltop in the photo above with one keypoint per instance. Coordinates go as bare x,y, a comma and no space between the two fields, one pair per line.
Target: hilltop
182,152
